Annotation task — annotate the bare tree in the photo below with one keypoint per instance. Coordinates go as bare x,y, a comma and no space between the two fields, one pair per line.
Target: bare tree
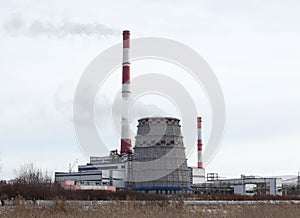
29,174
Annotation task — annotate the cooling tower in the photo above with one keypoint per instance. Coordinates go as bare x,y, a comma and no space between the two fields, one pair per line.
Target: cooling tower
159,161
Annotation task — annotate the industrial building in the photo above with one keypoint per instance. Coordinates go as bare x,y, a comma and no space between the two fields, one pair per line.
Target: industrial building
157,163
246,185
100,171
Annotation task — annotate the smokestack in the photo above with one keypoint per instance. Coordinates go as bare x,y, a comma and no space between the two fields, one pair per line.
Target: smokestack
126,147
200,163
126,66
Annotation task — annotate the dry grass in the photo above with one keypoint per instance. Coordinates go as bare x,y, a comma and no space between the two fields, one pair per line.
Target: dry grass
61,208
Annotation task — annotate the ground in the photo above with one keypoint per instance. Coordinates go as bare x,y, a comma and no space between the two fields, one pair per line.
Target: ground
152,209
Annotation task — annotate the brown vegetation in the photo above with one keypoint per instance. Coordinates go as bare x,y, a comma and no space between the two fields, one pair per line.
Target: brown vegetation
154,206
52,191
29,174
61,208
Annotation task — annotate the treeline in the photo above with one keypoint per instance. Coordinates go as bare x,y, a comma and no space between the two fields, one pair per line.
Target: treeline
54,191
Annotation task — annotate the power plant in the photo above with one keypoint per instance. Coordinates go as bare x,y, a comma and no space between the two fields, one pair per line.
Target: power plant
157,163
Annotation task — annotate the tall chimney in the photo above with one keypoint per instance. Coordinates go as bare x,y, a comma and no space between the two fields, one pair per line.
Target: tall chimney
126,147
200,163
126,66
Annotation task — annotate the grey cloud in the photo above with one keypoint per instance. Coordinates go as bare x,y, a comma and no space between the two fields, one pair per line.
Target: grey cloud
16,25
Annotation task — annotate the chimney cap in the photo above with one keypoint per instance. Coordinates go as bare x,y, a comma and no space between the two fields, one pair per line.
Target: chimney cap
126,32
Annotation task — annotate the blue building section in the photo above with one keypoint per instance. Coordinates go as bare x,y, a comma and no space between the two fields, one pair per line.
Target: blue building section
191,175
161,188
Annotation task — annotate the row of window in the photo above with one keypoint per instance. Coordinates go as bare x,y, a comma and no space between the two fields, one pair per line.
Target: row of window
161,142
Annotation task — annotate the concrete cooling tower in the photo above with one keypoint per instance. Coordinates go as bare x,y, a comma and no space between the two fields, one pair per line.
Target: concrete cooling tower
159,163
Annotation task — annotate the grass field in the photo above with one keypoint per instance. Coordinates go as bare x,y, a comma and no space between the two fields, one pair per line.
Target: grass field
152,209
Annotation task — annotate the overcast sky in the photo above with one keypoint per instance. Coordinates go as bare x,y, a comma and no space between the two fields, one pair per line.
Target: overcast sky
252,46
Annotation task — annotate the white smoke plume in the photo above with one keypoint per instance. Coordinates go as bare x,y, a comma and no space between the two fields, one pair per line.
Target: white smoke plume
16,25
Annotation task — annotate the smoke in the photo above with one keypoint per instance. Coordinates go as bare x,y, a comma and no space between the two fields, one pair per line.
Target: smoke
16,25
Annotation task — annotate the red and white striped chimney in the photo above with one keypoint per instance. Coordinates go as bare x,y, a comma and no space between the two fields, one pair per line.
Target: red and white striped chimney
200,163
126,66
126,147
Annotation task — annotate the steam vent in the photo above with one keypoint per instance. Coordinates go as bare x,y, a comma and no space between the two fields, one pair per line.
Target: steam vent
159,161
